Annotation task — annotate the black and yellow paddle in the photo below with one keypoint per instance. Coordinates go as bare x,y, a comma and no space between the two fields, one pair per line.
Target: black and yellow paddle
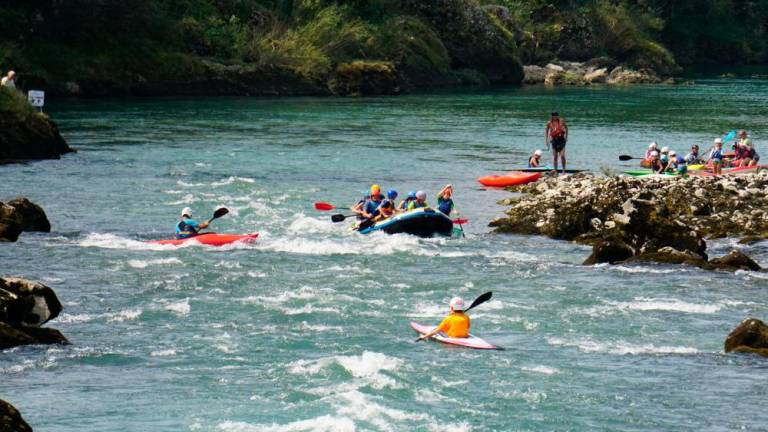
218,213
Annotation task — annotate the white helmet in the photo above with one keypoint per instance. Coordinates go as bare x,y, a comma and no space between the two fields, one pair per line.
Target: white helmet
653,145
665,149
421,195
672,153
186,212
718,140
457,304
537,152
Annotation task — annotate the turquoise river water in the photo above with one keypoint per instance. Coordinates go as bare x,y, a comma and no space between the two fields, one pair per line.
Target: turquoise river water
308,329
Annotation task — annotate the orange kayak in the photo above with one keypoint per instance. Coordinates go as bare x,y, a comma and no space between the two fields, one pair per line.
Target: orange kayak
511,179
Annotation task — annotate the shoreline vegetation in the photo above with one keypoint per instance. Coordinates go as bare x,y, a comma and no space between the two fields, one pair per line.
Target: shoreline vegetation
372,47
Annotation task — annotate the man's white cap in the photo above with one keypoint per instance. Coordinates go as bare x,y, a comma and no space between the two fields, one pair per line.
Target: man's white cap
652,145
537,152
672,153
457,304
718,140
665,149
186,212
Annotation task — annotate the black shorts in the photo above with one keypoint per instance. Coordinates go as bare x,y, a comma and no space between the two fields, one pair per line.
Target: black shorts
558,144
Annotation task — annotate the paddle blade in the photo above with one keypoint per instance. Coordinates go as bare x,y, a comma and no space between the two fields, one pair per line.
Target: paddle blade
482,299
324,206
626,157
220,212
460,221
729,136
338,218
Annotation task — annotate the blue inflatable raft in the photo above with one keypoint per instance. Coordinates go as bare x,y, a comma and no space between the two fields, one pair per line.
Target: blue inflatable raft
420,222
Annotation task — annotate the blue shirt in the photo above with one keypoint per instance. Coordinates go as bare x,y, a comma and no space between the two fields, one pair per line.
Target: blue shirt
371,206
717,154
187,228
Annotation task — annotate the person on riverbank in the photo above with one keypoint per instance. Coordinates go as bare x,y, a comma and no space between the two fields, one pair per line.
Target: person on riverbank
188,227
445,200
455,325
419,202
652,147
656,165
716,157
555,137
9,80
535,160
671,165
693,157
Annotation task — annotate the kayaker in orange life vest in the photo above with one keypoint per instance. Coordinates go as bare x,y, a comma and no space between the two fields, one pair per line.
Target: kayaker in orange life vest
455,325
556,135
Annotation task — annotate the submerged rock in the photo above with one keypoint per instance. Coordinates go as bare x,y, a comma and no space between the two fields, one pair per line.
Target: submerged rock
751,336
10,419
20,215
24,307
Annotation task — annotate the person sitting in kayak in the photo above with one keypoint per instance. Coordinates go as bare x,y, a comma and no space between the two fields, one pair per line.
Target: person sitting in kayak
455,325
535,160
419,202
652,147
188,227
716,157
403,206
445,200
656,164
671,165
365,208
693,157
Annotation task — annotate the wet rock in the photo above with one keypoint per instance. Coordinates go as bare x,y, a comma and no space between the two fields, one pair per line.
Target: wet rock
534,74
360,78
24,307
750,336
751,239
619,75
669,255
598,76
736,260
610,250
20,215
10,419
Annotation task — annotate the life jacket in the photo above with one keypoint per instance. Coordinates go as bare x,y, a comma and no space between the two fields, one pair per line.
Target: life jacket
183,230
556,129
531,163
445,206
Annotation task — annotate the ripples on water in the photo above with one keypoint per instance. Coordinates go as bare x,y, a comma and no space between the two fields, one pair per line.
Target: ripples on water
307,329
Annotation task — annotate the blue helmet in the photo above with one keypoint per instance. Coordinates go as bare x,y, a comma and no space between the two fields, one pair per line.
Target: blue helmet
412,194
392,194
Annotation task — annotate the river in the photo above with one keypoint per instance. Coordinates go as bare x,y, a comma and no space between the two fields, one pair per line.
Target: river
308,329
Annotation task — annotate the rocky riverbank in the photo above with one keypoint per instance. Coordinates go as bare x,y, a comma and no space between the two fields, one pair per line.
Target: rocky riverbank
24,307
629,219
10,419
596,71
26,134
751,336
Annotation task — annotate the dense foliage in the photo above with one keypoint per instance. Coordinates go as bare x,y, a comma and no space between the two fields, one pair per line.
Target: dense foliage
150,45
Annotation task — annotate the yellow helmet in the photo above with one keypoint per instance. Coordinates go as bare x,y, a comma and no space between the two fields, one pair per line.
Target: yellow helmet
375,189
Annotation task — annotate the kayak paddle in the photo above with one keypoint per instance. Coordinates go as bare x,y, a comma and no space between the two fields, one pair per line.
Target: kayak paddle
324,206
460,221
478,301
340,217
628,157
218,213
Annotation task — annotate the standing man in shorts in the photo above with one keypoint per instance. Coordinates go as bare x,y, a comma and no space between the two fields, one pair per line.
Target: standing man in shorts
556,135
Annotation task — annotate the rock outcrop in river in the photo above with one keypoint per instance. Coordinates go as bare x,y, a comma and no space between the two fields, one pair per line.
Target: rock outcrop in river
10,419
644,219
26,134
18,215
596,71
751,336
24,307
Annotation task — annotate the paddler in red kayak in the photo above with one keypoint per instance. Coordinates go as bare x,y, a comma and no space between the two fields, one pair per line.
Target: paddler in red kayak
188,227
455,325
555,136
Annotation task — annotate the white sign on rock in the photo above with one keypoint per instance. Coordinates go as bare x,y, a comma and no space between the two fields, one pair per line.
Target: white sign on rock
36,98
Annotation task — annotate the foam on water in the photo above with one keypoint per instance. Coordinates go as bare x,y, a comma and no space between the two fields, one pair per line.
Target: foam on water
644,304
179,308
326,423
112,241
368,367
545,370
619,347
232,180
140,264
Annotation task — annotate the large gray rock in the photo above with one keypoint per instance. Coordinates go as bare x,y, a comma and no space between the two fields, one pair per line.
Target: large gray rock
24,307
10,419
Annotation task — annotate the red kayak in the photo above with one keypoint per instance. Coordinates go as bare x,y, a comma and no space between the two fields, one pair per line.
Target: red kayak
210,239
511,179
737,171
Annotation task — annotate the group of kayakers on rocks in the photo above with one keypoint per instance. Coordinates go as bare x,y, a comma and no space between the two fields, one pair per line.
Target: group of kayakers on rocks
664,160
